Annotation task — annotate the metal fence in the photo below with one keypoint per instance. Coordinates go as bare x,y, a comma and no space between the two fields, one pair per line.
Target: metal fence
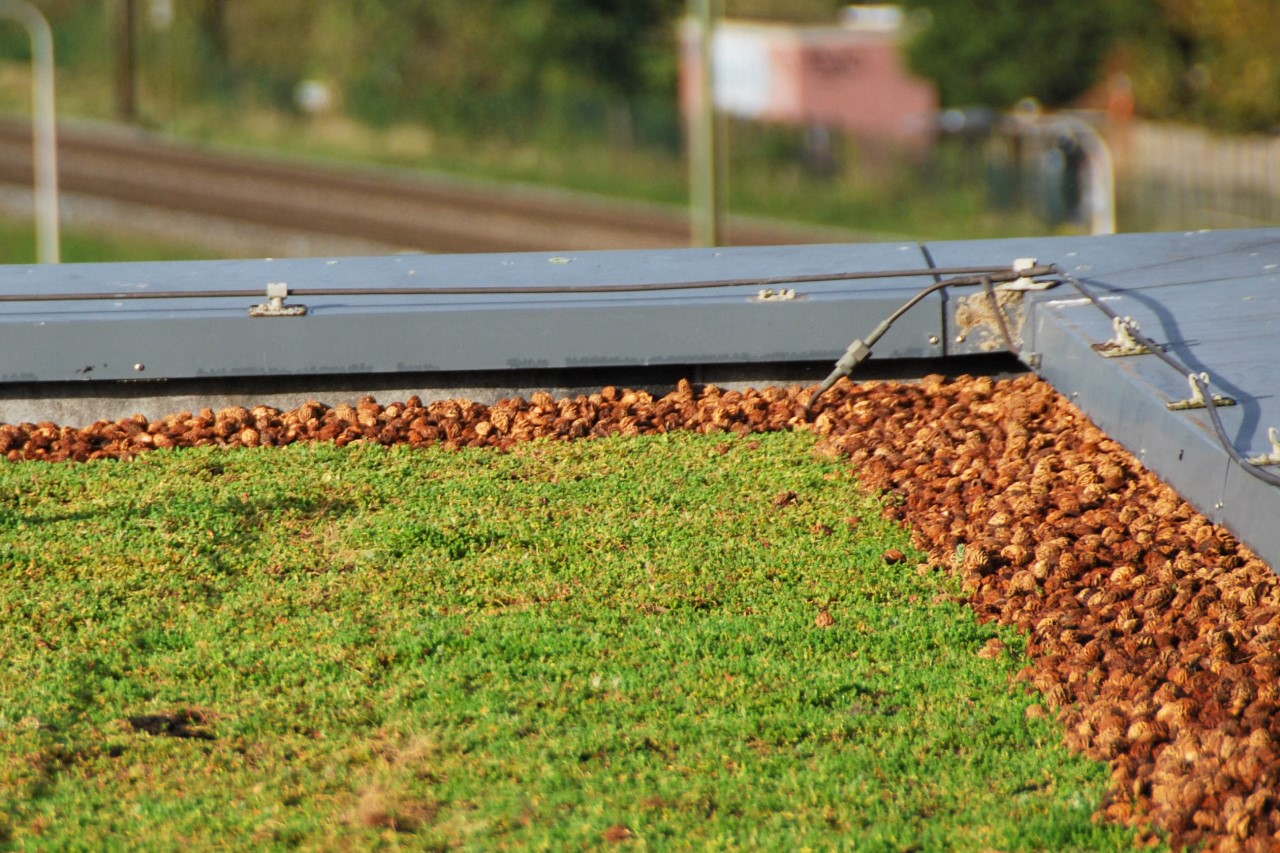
1173,177
1165,177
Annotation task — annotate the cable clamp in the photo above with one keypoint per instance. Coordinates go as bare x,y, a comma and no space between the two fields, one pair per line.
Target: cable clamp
277,292
1024,283
1272,458
1197,400
784,294
1124,343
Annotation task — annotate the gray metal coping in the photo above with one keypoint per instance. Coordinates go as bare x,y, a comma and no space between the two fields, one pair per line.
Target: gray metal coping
1212,298
200,337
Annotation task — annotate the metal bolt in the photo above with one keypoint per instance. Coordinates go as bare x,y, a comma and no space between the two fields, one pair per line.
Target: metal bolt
959,339
139,367
933,340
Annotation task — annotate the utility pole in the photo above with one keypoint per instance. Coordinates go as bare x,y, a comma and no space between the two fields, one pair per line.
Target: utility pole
126,50
705,165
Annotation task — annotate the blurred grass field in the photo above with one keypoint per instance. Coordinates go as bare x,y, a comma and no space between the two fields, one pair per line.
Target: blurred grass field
18,246
566,646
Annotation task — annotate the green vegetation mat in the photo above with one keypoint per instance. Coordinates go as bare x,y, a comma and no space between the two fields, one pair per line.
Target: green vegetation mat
568,646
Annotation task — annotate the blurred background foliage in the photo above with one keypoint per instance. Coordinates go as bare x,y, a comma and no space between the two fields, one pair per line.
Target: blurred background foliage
994,53
507,66
1215,62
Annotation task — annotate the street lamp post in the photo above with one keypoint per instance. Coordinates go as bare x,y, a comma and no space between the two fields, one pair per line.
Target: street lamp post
1101,191
43,131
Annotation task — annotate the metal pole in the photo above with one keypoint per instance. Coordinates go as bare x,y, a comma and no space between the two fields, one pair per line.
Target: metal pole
43,131
704,178
1102,181
126,61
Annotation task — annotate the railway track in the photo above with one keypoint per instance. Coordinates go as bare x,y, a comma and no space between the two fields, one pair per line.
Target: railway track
395,208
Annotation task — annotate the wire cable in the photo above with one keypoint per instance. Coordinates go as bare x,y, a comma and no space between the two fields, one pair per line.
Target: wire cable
998,311
860,350
1227,444
509,290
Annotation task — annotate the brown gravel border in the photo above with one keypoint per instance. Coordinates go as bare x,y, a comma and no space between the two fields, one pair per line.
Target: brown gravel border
1153,633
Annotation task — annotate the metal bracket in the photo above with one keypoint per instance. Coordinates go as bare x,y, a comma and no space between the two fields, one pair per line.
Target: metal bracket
1124,343
785,294
1272,458
1024,283
277,291
1197,400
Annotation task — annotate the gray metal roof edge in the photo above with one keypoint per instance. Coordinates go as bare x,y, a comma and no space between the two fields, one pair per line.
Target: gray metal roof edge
1128,400
197,335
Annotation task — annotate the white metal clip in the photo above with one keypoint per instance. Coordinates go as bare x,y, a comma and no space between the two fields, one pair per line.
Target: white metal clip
1024,283
277,292
1272,458
1197,400
785,294
1124,343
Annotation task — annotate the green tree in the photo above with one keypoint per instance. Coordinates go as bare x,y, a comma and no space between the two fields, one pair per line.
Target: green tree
1220,61
509,66
996,52
611,42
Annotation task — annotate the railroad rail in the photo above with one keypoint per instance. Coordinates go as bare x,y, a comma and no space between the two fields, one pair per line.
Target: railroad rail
398,209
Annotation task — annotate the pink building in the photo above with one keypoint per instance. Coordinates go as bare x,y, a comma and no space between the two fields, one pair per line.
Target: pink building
850,77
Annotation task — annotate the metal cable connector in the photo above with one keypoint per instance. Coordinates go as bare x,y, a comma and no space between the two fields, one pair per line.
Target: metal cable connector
1024,269
857,353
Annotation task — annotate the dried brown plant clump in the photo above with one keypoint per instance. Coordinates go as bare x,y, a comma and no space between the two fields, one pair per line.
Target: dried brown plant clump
379,808
1153,634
